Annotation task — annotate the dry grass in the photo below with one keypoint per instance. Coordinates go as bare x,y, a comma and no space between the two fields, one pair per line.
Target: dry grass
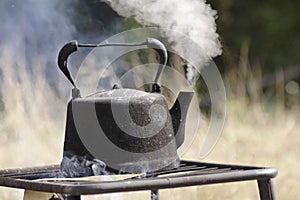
252,137
255,133
31,125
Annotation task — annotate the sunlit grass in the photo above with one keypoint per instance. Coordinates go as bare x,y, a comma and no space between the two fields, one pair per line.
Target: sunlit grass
257,131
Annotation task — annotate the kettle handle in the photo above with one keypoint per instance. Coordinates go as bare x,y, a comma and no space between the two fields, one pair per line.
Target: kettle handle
160,48
72,46
63,55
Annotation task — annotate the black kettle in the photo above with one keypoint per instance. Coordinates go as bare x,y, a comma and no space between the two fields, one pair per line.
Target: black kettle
127,129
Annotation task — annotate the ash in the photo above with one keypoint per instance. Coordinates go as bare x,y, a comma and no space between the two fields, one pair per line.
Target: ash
73,166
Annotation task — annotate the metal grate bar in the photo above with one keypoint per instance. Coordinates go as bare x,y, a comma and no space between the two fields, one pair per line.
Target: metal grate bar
188,174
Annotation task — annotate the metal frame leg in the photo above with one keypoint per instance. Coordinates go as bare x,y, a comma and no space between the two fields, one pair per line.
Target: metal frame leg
266,190
154,195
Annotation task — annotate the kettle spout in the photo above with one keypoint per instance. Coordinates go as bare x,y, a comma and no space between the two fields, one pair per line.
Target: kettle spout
178,114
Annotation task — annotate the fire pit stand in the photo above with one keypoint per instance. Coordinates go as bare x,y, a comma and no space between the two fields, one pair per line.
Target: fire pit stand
190,173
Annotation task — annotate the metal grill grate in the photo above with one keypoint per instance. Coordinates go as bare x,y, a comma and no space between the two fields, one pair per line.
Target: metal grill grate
189,173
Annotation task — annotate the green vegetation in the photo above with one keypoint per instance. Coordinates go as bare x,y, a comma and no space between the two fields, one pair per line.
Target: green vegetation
270,27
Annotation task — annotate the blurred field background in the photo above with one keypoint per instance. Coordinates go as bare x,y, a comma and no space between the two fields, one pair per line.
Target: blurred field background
260,66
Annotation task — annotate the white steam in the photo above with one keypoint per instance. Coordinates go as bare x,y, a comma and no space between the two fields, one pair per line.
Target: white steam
193,18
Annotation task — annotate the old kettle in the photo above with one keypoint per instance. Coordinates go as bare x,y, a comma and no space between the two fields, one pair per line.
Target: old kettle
129,130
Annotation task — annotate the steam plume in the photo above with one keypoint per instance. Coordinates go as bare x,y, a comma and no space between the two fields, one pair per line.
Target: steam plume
193,18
